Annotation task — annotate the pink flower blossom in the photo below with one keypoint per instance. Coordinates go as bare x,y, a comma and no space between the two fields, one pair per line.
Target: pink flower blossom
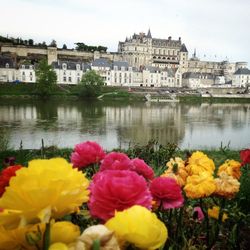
115,161
141,168
116,190
166,192
198,213
87,153
245,156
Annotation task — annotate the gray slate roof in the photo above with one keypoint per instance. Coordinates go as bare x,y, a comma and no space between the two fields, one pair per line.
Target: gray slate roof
101,62
242,71
70,65
194,75
183,48
6,60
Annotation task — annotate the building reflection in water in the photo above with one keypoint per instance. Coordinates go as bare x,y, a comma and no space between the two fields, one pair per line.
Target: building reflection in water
66,123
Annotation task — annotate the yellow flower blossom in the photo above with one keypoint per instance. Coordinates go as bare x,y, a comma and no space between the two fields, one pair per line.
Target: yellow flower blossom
199,162
232,168
21,238
226,185
177,170
138,226
45,189
64,231
214,213
26,237
199,186
58,246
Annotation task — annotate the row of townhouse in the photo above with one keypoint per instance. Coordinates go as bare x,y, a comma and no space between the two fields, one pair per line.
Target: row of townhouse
120,73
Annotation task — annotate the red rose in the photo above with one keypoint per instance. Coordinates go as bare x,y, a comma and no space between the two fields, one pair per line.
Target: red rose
245,156
115,161
166,192
116,190
87,153
6,175
141,168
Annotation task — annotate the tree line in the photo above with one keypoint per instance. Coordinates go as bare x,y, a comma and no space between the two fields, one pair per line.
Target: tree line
30,42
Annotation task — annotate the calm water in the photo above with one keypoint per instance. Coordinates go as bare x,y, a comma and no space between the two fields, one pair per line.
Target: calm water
113,125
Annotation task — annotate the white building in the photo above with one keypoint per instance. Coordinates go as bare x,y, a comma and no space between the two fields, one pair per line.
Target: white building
68,72
26,73
241,78
197,80
7,70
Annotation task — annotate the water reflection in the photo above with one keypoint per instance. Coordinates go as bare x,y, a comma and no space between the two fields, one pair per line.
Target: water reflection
66,123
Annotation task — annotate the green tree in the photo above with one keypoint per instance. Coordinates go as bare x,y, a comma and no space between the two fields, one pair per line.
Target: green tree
46,79
90,85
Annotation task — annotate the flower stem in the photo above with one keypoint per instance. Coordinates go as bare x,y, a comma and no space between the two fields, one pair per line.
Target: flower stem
206,221
46,237
219,223
96,245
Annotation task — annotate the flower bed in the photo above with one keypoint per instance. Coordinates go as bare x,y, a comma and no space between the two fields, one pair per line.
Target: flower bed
111,201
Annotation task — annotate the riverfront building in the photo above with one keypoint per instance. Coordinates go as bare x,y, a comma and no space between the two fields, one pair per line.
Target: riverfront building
141,61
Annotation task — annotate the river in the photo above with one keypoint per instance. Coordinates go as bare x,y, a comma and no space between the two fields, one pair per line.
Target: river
113,125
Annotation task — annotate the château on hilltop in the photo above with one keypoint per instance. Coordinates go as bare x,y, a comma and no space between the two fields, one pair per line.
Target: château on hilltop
141,60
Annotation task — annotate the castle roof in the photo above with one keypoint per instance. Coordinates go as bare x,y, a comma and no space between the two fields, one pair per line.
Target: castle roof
183,48
242,71
149,34
166,42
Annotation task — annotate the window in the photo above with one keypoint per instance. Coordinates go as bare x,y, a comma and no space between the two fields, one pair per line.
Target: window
23,73
69,79
64,66
78,66
7,65
31,73
64,79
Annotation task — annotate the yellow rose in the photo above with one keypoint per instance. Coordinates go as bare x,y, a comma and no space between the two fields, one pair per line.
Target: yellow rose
140,227
199,162
226,185
199,186
232,168
45,189
214,213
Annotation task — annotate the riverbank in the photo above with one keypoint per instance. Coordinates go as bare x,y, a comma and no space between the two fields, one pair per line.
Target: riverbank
28,91
23,156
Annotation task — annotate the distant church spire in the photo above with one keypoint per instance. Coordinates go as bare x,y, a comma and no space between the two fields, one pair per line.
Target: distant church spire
195,53
149,34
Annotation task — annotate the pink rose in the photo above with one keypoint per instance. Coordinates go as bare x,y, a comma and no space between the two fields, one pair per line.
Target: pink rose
116,190
87,153
166,192
141,168
115,161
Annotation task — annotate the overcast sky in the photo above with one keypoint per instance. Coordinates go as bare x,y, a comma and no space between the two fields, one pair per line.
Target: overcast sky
218,29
